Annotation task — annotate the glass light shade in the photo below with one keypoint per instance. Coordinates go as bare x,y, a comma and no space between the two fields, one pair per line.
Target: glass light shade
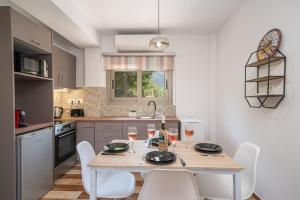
159,42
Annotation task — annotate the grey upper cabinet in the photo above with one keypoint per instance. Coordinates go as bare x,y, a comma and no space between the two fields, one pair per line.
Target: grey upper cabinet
31,32
64,67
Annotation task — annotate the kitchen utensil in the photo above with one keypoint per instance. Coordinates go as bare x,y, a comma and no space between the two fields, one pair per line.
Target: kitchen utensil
181,160
208,148
58,112
160,157
115,147
155,142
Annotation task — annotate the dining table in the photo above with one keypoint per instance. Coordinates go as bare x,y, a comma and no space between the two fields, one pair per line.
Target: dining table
196,162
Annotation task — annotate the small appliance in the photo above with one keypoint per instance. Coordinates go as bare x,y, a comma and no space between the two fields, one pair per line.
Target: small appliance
77,112
30,64
20,119
44,68
58,112
65,146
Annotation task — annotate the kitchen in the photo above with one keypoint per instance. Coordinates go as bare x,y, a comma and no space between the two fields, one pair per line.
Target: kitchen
73,72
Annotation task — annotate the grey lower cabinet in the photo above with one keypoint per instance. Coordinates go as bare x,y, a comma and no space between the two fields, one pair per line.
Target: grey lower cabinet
141,129
105,132
64,68
86,132
99,134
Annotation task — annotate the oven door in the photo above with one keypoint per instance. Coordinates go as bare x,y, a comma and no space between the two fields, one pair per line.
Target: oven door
65,146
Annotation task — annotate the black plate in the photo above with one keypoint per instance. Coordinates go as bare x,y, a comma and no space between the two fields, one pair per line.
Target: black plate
208,148
116,147
160,157
155,142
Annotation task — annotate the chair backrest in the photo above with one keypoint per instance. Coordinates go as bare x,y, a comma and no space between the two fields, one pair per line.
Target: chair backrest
163,184
247,155
86,154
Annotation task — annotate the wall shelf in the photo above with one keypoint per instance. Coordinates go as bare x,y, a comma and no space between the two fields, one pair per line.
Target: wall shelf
268,99
264,78
29,77
264,61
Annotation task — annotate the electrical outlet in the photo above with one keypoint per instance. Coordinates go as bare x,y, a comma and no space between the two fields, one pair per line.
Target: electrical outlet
79,101
71,101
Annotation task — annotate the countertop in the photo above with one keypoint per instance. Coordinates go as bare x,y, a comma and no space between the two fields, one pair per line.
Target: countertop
33,127
107,118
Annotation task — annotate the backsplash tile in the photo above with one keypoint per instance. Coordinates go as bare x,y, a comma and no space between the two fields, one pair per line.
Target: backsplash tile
95,104
142,110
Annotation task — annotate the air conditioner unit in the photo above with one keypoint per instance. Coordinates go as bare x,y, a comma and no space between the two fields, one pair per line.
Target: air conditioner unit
133,43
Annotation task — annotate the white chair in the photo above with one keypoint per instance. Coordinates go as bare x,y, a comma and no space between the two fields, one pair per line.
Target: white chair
221,186
162,184
110,184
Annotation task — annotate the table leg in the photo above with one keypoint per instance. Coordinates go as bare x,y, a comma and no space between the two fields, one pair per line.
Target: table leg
93,183
237,193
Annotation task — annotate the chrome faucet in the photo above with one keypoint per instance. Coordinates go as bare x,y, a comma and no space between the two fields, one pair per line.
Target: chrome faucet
152,101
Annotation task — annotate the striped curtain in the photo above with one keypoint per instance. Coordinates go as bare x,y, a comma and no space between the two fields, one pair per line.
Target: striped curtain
142,63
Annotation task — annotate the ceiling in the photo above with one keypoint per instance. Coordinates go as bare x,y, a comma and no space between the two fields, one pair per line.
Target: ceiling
176,16
84,21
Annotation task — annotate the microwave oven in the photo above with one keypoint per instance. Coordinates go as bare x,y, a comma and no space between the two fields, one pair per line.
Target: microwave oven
30,65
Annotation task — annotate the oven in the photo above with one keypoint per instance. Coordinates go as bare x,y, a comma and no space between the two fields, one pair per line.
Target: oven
65,142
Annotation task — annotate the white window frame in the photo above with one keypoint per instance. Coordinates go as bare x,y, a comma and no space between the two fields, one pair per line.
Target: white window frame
111,99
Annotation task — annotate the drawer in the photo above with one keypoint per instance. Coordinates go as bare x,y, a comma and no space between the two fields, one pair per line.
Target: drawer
108,126
31,32
108,136
81,125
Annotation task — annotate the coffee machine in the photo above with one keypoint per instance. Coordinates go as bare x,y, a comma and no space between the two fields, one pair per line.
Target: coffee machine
20,119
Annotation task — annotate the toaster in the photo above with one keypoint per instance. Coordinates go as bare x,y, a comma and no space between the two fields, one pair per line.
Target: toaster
77,112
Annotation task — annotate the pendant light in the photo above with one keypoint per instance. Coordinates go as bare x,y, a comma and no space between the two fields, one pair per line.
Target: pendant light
159,42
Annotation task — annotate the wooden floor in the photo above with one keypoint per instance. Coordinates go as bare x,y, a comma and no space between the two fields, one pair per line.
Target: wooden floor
69,186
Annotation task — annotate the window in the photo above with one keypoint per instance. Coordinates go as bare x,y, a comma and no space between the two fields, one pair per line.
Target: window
125,84
140,86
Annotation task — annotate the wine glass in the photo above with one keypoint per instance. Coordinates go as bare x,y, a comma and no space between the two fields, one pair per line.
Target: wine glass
132,135
173,135
151,132
189,132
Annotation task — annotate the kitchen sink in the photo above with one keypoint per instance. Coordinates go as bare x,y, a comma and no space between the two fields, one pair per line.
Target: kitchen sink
145,117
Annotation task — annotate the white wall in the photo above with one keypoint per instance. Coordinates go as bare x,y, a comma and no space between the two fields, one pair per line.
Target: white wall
191,76
275,131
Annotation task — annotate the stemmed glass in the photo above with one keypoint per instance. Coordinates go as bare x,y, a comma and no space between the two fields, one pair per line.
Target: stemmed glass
132,135
151,133
173,135
189,132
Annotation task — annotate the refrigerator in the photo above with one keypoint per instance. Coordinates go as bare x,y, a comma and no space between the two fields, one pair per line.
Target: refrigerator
34,164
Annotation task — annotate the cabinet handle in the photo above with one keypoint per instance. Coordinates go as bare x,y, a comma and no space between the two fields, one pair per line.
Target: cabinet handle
35,42
113,84
62,79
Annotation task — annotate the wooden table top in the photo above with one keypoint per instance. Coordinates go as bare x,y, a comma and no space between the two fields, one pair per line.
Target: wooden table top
194,160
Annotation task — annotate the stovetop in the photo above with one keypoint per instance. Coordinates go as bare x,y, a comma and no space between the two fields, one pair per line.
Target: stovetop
63,126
